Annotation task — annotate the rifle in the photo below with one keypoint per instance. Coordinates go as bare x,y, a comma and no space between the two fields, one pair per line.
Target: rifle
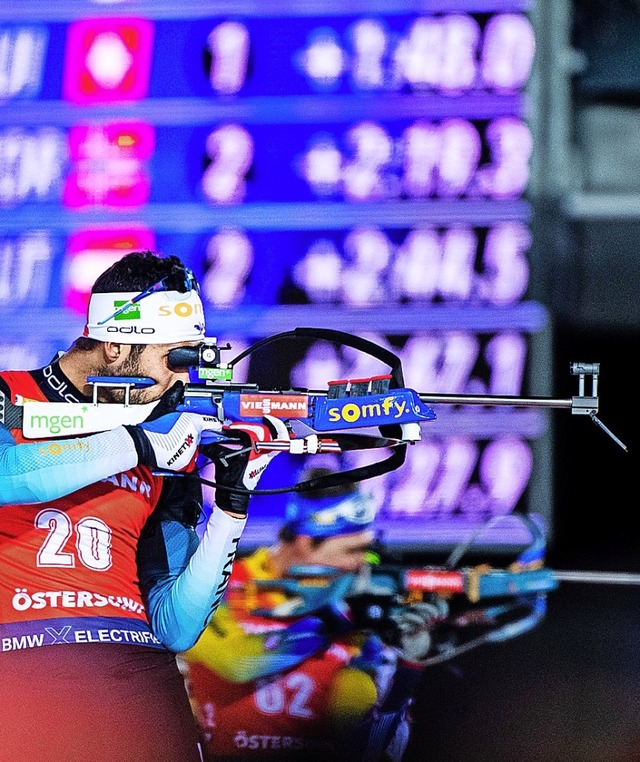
442,610
350,414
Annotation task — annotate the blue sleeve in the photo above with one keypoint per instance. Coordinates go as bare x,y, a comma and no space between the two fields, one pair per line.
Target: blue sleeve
183,579
36,472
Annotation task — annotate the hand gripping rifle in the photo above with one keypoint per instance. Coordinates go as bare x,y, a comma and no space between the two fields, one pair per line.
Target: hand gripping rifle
350,414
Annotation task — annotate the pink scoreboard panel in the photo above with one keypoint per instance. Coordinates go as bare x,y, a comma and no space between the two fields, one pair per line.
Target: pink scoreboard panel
360,166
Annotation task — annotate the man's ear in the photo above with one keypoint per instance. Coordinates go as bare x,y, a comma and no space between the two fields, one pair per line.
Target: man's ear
113,352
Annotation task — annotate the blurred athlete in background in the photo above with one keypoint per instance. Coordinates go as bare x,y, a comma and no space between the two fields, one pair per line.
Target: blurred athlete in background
306,687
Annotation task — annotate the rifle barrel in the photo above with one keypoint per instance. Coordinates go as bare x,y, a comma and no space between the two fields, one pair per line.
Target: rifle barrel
485,399
598,577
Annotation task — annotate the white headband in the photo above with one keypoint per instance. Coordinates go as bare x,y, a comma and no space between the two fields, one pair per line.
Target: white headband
164,317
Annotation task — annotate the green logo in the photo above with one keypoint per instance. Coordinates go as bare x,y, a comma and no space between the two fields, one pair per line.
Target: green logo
226,374
56,424
131,313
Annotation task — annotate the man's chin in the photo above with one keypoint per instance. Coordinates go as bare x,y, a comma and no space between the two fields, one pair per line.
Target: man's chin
146,396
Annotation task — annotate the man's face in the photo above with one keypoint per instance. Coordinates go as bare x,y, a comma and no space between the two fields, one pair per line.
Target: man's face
150,361
345,552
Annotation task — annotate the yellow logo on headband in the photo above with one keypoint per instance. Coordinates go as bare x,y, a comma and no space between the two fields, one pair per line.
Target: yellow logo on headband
181,309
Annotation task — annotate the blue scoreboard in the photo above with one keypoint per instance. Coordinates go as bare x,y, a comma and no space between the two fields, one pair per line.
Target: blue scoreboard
360,166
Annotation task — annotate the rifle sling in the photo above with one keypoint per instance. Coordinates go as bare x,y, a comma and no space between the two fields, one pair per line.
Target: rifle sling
395,460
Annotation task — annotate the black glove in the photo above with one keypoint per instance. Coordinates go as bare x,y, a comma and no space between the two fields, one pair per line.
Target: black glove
242,470
372,611
168,402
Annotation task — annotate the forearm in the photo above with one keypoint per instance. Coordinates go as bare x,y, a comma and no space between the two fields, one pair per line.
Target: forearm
182,600
37,472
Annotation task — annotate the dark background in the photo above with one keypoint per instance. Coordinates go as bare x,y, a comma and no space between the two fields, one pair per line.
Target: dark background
568,690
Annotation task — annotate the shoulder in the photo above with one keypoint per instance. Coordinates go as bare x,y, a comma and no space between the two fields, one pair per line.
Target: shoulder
19,382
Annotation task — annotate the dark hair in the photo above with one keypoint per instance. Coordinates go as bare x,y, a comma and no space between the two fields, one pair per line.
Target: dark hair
139,270
135,271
